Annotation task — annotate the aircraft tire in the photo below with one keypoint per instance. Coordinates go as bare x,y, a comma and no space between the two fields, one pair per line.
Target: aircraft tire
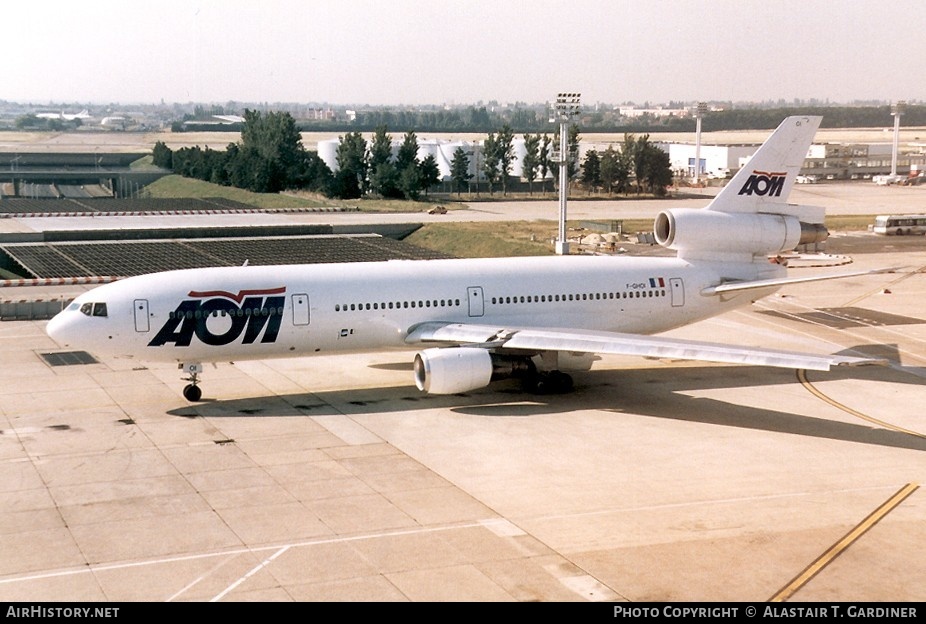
192,393
554,382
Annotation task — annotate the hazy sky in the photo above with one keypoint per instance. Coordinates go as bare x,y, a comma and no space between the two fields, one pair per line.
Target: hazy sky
433,52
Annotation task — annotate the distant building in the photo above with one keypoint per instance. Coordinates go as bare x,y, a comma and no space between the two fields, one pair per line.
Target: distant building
717,161
320,114
633,112
861,160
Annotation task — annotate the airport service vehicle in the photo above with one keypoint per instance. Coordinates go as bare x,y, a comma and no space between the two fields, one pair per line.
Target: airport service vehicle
888,179
476,320
900,224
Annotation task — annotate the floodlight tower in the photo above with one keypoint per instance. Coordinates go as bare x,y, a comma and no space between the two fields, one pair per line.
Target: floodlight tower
898,109
564,109
699,113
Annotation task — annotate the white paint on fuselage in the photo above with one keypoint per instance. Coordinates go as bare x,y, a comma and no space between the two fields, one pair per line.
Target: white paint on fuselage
368,306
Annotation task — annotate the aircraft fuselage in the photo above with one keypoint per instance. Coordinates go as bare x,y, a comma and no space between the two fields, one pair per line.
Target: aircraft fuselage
233,313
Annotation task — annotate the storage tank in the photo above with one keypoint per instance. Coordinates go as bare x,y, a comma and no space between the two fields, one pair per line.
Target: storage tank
328,152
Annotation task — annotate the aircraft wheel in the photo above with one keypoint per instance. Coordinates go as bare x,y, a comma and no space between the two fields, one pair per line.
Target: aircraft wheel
553,382
192,393
561,382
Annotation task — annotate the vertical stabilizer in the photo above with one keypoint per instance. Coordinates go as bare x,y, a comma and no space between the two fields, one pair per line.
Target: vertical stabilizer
764,183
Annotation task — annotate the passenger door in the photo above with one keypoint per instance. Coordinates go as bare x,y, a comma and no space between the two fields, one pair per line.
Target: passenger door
142,323
300,309
475,301
677,288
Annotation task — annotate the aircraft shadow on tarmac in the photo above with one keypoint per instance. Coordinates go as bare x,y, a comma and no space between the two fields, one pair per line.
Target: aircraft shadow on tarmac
658,392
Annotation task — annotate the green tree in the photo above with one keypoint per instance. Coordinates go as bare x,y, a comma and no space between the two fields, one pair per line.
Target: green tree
383,174
614,170
162,156
635,151
591,170
531,160
28,120
429,172
350,180
505,150
251,170
650,165
275,138
572,164
407,166
314,174
657,170
384,180
407,155
459,170
479,118
410,182
490,160
380,147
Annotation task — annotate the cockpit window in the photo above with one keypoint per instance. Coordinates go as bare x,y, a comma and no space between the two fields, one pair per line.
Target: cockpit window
94,309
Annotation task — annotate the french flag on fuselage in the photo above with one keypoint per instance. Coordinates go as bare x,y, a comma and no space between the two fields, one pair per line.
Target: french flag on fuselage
657,282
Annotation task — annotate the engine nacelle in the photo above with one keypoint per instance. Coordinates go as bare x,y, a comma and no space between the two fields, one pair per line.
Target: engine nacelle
688,229
452,370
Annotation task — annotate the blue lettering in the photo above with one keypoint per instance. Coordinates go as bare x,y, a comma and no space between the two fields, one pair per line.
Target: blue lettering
255,316
762,184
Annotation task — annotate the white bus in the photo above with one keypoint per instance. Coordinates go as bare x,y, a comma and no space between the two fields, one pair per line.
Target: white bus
900,224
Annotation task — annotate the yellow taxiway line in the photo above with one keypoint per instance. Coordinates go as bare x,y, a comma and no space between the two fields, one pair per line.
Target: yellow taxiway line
836,549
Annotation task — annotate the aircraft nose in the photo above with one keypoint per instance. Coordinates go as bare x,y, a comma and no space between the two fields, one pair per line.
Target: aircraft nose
57,328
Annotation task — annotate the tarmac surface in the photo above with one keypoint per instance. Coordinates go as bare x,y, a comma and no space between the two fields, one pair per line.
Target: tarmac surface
333,478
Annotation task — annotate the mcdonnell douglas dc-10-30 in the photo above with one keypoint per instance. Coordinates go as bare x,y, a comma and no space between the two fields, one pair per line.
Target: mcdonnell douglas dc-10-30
476,320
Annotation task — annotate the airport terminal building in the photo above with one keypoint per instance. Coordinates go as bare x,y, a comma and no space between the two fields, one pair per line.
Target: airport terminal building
833,161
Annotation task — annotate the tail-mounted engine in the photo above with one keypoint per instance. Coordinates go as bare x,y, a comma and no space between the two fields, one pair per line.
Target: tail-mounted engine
693,230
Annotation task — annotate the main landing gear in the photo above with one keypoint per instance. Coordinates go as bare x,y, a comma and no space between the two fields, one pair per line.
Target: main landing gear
550,382
192,392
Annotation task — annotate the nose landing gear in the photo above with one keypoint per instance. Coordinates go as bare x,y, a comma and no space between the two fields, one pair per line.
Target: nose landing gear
192,392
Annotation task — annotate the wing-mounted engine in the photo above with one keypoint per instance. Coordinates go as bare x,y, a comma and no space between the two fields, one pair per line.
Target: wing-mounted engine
708,233
452,370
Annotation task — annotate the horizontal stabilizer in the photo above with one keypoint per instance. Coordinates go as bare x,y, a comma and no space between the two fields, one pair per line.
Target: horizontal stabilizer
729,287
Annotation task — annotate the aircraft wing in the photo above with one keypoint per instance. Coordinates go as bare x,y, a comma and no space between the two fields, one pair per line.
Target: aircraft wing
582,341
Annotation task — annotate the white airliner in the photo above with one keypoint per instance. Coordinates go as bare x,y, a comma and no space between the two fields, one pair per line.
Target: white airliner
477,320
84,114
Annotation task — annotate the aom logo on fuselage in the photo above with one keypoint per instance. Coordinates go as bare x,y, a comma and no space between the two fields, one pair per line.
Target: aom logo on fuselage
764,183
219,318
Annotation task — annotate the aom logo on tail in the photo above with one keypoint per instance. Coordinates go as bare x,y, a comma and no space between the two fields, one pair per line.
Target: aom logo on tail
764,183
219,318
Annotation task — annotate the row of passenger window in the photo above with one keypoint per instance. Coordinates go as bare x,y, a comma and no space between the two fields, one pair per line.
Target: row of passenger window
636,294
442,303
198,313
397,305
